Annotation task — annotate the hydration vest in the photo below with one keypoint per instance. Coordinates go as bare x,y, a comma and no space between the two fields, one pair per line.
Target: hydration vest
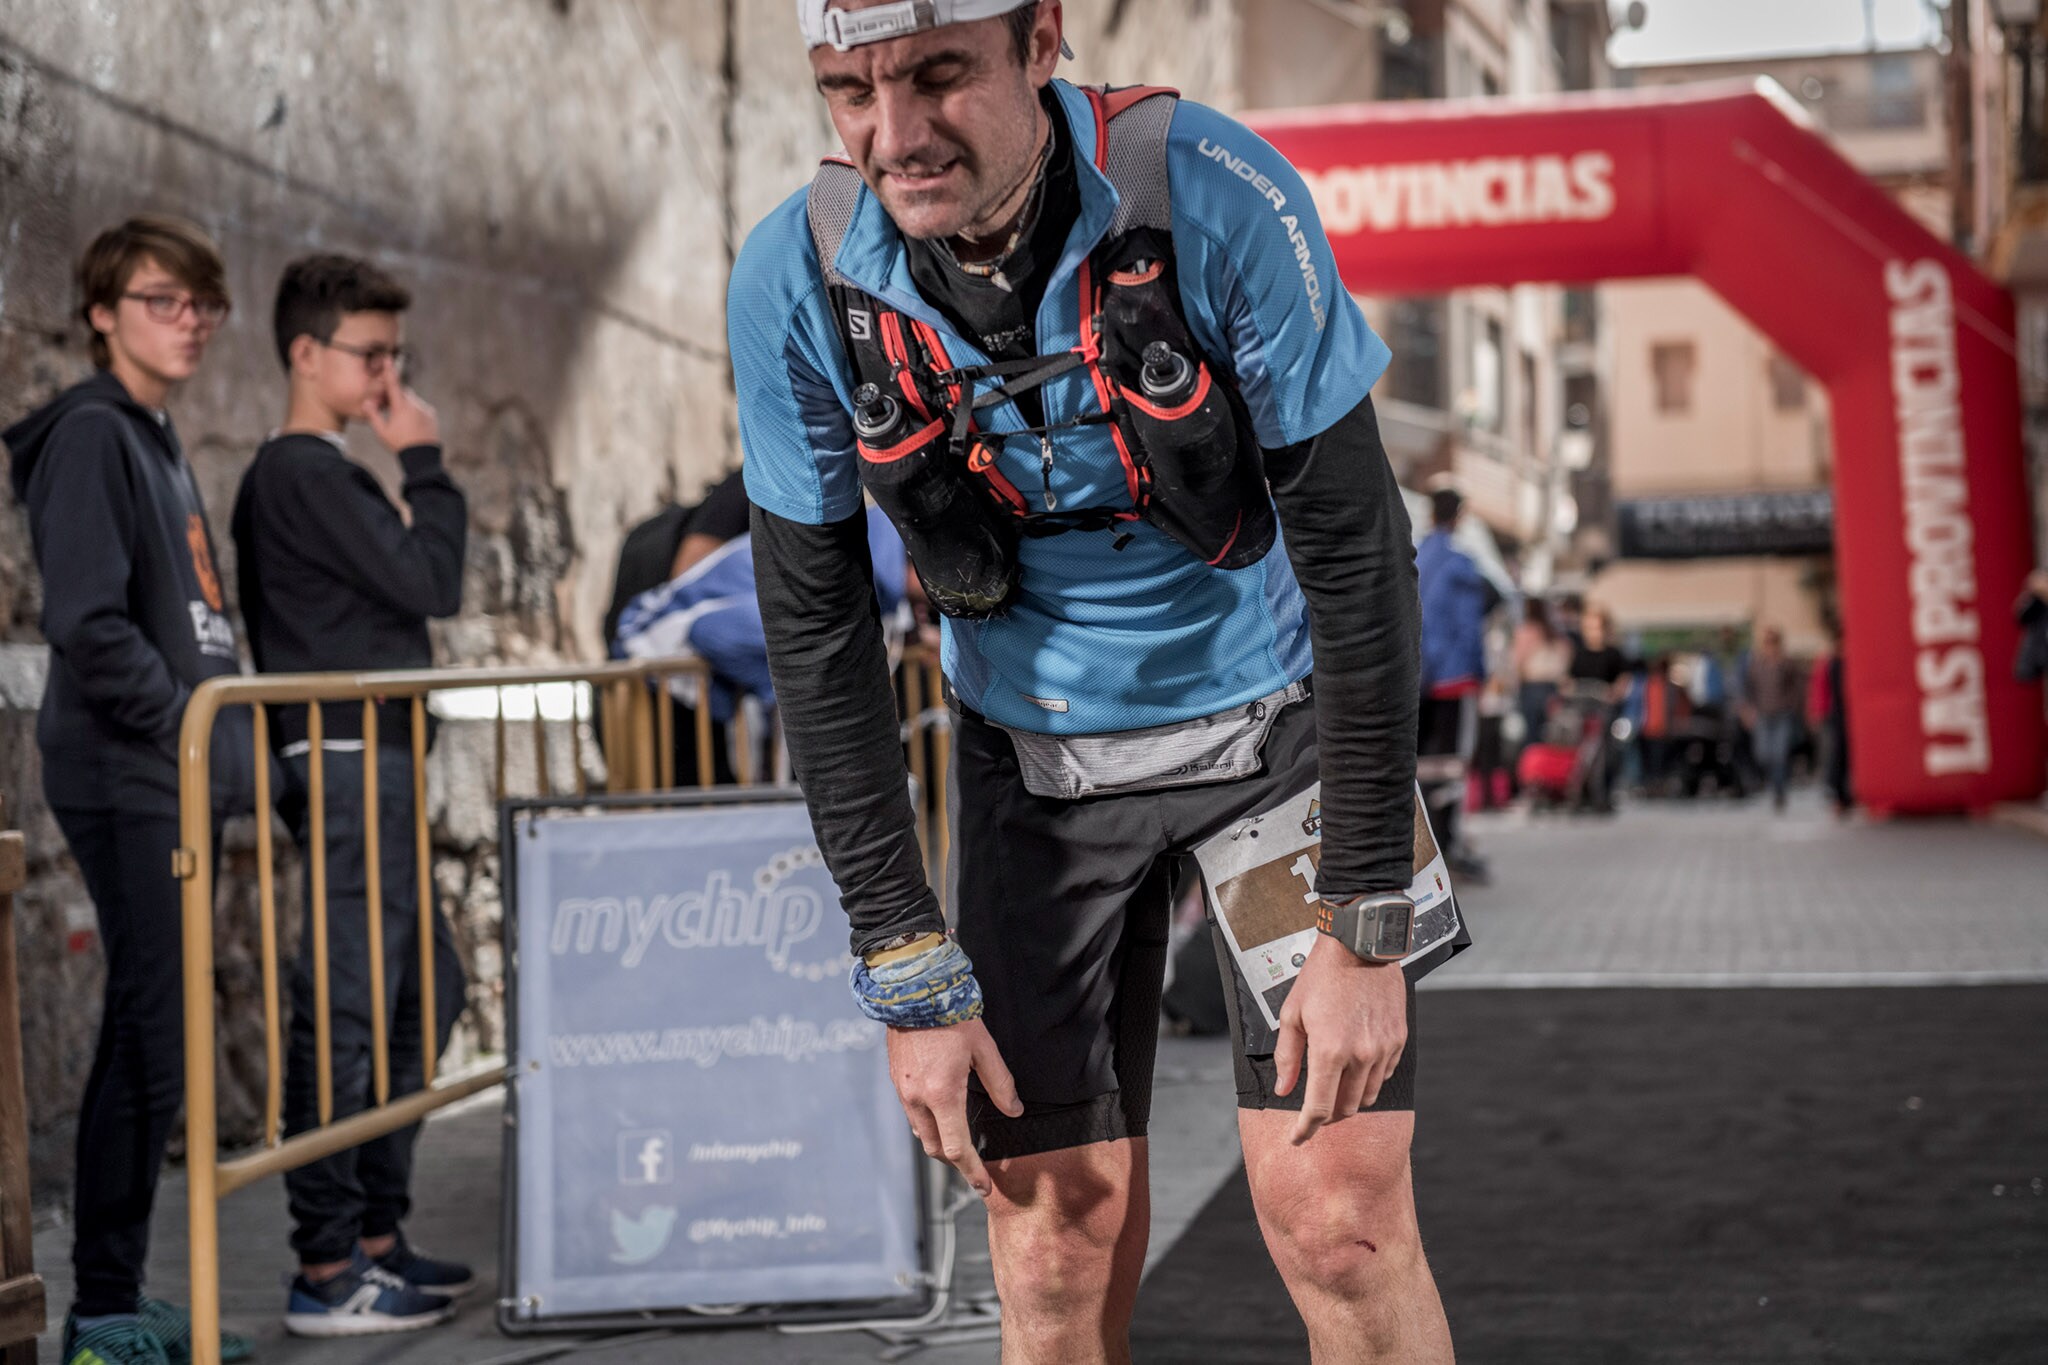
1181,430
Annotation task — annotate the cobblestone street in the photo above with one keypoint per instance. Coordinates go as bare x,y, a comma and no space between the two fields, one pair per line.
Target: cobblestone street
1716,893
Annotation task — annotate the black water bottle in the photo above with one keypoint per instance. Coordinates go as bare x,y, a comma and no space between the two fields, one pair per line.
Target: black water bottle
1191,444
1167,379
963,549
877,418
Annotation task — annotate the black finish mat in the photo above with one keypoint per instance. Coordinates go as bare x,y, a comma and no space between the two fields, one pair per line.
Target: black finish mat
1685,1177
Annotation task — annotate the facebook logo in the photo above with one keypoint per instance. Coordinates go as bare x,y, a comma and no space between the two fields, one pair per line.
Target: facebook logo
646,1157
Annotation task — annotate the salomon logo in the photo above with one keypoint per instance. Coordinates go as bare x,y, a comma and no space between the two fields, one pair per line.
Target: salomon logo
860,324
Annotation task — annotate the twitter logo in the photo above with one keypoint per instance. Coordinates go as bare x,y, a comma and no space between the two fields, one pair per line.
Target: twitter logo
642,1239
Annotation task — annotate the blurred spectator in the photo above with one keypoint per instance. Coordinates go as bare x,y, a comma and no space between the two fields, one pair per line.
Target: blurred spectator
1828,712
710,612
667,544
1492,769
1729,665
1542,656
2032,612
334,579
1771,697
1569,616
1658,708
1456,598
1713,682
660,549
1598,676
1596,658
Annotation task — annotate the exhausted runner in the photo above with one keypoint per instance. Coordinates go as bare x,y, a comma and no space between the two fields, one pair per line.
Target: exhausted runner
1089,352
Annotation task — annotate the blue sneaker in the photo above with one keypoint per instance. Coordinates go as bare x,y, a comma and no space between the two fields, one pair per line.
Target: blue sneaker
361,1301
424,1272
110,1341
172,1327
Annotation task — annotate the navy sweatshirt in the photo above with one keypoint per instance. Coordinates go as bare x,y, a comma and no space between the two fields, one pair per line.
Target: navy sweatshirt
132,603
333,579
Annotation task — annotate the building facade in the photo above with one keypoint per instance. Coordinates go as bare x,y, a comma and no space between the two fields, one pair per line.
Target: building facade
1495,391
1999,89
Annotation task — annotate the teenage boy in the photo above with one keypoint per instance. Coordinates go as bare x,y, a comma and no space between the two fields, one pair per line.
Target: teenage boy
133,613
334,579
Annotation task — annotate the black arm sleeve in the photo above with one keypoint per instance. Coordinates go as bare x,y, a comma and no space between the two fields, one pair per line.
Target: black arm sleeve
416,568
1348,538
831,671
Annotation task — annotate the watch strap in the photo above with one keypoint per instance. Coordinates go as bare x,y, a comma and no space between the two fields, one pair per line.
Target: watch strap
1376,928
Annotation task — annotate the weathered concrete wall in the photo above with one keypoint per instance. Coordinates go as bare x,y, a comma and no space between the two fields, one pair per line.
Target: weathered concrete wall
562,182
539,172
543,177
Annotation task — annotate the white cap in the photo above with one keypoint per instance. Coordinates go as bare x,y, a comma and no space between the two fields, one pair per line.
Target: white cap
847,29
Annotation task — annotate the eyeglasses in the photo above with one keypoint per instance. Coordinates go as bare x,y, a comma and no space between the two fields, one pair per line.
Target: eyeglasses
374,358
171,307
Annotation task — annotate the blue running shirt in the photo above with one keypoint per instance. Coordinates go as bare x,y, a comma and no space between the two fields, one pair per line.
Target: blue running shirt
1098,639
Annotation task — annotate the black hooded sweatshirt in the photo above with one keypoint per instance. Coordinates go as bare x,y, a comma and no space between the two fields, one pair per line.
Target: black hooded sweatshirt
332,577
132,603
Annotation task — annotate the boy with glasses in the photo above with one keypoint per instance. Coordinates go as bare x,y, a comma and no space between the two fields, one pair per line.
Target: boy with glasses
334,579
133,612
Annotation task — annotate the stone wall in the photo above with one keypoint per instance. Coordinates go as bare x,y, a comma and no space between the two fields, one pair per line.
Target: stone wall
562,183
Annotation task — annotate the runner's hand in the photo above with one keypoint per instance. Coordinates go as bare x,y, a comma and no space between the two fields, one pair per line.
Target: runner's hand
929,1067
400,417
1349,1019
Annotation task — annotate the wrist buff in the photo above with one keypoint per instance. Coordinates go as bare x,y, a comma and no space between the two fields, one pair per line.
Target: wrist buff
925,984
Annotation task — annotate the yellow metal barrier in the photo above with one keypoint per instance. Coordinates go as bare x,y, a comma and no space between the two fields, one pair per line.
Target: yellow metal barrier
637,711
22,1316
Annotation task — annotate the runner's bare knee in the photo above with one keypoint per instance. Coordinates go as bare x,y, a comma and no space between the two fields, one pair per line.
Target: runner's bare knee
1349,1230
1056,1225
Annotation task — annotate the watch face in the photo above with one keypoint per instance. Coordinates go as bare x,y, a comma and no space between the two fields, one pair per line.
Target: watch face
1396,931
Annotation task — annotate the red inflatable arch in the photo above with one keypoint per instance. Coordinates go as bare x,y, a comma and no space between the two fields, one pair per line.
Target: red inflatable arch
1915,346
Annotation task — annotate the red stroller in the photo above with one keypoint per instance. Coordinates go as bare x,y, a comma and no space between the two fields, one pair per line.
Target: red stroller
1566,766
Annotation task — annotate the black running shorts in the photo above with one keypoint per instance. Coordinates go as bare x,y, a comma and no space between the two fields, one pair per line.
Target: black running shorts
1064,908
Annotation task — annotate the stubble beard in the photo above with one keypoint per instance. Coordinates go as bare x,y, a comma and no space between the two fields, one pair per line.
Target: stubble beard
986,218
924,215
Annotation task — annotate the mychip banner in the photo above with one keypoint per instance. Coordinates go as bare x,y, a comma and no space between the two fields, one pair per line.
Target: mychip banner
699,1117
